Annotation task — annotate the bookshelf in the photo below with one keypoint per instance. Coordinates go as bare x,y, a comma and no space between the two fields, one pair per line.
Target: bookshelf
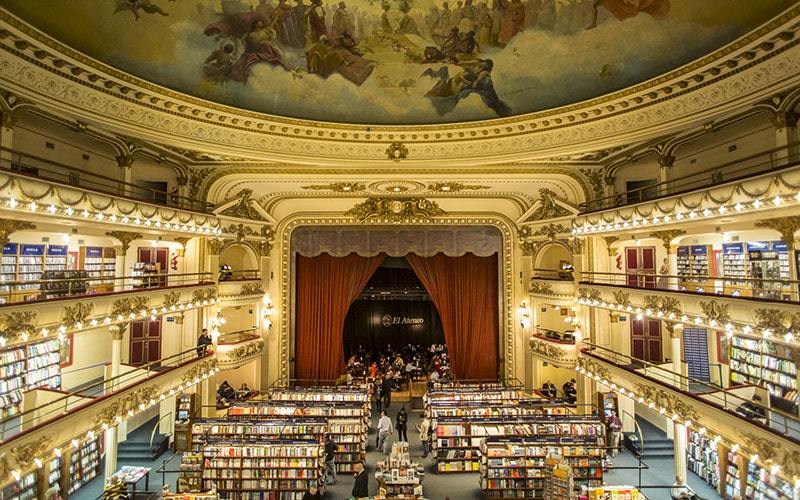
559,479
769,364
703,458
761,485
24,489
399,477
84,464
348,422
99,262
213,430
475,396
522,467
28,367
282,470
733,478
480,409
734,266
54,474
190,477
693,266
456,447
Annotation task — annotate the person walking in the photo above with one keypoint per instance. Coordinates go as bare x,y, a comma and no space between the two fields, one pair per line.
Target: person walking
361,484
402,424
614,433
330,462
384,431
386,390
424,428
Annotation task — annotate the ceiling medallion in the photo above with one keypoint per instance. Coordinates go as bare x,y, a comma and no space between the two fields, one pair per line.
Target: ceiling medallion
397,186
338,187
395,210
453,187
397,151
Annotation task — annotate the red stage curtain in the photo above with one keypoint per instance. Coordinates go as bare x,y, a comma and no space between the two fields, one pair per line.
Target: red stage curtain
326,286
464,290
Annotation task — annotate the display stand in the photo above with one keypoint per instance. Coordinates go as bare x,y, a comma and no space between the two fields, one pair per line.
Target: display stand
614,493
559,479
399,477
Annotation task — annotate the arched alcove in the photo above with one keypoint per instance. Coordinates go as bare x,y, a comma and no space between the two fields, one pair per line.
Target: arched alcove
239,258
551,257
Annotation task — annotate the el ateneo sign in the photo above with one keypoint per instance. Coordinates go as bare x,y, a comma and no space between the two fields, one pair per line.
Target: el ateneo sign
388,320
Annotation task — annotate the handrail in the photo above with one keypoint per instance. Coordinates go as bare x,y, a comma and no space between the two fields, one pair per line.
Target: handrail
638,429
238,336
153,434
559,340
702,178
552,274
15,292
731,286
117,382
73,176
714,394
239,275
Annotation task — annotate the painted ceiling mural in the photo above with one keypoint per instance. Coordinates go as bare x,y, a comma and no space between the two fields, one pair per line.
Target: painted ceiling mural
396,61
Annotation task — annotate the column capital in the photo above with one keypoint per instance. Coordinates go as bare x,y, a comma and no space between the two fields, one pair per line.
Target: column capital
125,160
786,226
9,226
666,160
117,331
667,236
8,119
785,119
675,330
125,238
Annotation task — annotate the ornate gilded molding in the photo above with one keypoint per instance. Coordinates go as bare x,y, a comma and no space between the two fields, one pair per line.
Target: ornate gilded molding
670,305
197,177
339,187
672,404
776,320
454,187
8,227
204,294
243,353
667,236
715,310
17,324
183,240
171,299
596,179
77,313
28,452
786,226
529,248
125,238
623,298
547,208
252,288
591,294
129,307
551,230
216,245
198,370
610,240
243,208
240,231
118,331
541,288
395,210
553,354
594,367
129,402
397,151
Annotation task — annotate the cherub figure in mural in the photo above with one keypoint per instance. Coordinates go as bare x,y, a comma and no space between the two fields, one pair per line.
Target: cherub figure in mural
217,66
260,46
475,78
623,9
136,5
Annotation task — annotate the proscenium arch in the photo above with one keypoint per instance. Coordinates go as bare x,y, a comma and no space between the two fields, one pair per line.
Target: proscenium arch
282,341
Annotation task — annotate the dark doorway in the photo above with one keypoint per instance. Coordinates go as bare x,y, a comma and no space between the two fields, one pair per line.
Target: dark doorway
637,191
646,340
393,308
145,342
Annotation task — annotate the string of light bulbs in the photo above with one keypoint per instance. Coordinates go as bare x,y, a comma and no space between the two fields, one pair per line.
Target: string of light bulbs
758,204
99,216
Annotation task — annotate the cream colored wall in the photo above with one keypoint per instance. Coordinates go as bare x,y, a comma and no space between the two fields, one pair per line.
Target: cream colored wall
239,258
551,256
249,373
239,318
91,351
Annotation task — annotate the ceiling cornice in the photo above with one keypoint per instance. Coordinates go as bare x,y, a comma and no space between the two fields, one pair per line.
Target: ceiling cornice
46,71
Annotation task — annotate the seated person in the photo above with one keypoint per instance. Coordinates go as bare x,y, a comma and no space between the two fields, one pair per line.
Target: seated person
548,390
753,410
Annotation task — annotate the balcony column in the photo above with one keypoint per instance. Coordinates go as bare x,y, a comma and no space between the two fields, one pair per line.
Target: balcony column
119,266
183,192
785,124
665,173
111,435
125,163
676,334
7,122
679,440
208,400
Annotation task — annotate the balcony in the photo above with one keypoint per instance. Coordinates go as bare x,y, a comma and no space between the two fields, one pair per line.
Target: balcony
240,287
555,348
752,189
61,422
692,402
557,287
238,348
45,191
56,312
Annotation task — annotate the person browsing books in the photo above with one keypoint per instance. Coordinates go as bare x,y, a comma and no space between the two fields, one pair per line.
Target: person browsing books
361,484
312,493
330,456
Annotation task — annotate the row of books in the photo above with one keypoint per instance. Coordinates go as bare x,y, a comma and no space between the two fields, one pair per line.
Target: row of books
28,367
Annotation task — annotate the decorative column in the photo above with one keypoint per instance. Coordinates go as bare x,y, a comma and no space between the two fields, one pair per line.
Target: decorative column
665,173
7,122
125,238
215,246
125,163
676,334
183,192
207,397
785,124
679,440
112,433
181,253
666,238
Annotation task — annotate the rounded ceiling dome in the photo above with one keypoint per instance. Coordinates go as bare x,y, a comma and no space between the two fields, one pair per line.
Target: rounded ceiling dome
397,62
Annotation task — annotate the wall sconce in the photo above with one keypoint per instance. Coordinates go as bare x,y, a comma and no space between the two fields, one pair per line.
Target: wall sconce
266,312
215,323
525,315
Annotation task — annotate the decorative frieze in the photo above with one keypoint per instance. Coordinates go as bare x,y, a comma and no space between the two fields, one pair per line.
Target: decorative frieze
594,368
252,288
395,210
668,305
129,307
548,207
204,295
590,294
17,325
541,288
715,310
622,298
171,299
77,314
125,406
551,231
243,208
671,403
339,187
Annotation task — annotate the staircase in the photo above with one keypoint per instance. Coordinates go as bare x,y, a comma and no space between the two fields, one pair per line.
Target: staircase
137,446
656,443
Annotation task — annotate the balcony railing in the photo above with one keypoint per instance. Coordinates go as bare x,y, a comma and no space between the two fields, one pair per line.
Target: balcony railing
90,283
553,274
30,165
565,338
758,163
45,414
727,286
241,275
238,337
731,400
